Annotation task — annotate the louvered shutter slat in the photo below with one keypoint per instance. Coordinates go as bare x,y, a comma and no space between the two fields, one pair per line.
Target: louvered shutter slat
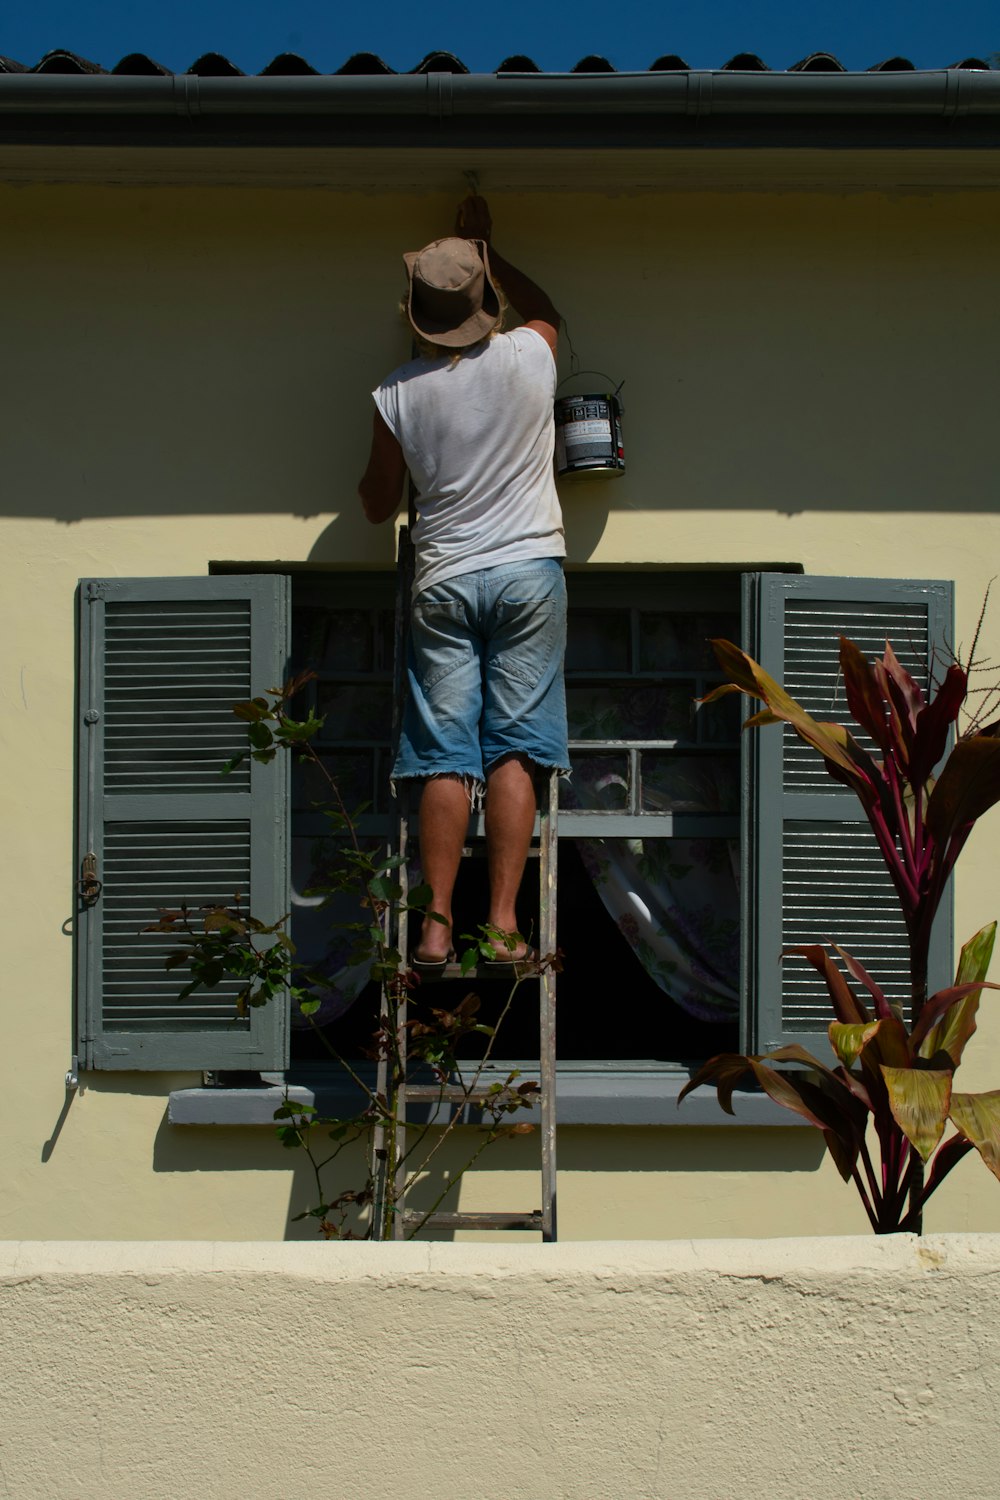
813,871
162,663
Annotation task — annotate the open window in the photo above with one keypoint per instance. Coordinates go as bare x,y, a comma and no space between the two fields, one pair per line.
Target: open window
690,854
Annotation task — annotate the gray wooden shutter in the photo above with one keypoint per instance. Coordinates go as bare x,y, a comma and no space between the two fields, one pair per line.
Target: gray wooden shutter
812,870
162,661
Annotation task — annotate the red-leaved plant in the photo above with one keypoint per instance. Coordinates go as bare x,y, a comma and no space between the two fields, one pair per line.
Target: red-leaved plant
898,1077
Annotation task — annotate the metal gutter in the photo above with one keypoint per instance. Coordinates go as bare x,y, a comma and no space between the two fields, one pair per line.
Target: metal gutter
944,94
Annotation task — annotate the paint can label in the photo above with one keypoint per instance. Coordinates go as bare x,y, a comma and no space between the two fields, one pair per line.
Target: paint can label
588,435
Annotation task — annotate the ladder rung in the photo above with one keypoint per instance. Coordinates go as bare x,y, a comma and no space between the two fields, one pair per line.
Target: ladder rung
450,1093
532,1220
478,971
478,850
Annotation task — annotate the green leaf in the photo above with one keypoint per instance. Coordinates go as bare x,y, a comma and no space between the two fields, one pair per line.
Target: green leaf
252,711
296,731
977,1117
957,1025
940,1004
218,919
848,1038
260,736
888,1044
843,755
420,895
920,1100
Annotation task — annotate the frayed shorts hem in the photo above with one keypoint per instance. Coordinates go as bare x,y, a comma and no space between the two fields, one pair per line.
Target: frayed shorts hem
474,785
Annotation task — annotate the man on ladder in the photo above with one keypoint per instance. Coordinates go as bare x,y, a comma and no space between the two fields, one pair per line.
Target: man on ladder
472,420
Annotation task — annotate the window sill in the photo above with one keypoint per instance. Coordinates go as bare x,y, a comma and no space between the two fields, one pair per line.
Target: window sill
642,1097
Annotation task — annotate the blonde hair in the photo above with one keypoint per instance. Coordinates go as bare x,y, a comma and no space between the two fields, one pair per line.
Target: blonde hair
439,351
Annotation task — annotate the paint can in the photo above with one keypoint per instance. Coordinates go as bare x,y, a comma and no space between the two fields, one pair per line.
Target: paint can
589,433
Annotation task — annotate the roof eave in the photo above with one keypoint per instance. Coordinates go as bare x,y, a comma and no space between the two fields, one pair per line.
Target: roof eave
943,94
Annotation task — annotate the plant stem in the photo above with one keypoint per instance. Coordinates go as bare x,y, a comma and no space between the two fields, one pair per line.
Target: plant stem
877,1196
455,1119
862,1194
453,1181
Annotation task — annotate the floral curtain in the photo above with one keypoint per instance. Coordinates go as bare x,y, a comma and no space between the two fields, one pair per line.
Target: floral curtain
675,901
676,904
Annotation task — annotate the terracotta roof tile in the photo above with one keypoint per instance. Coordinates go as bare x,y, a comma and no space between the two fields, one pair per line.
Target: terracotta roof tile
290,64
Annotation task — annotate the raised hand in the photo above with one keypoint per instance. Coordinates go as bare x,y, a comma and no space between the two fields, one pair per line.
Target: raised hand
472,219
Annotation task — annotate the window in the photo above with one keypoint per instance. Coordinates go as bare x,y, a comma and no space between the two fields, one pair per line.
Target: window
689,854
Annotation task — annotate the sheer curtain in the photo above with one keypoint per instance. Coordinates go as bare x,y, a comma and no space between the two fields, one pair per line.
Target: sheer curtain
675,901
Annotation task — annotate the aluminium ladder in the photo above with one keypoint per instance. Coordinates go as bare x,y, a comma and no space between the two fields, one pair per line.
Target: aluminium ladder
389,1146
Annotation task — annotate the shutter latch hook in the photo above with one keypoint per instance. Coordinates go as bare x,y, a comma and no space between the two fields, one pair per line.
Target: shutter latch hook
88,886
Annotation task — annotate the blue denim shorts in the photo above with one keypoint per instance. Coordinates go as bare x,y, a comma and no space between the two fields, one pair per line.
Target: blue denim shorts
485,673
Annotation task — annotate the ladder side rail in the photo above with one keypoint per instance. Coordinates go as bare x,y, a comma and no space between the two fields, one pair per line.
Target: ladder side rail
386,1146
398,1164
547,896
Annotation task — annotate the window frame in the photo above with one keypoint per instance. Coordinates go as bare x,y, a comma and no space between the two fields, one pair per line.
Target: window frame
622,1092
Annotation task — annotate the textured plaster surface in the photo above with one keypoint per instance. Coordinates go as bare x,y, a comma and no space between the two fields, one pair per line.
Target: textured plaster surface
833,1369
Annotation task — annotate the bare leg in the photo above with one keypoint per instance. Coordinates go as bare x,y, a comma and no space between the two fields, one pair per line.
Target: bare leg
510,818
444,822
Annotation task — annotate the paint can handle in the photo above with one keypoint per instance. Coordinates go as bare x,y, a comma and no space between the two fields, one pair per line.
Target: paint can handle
615,392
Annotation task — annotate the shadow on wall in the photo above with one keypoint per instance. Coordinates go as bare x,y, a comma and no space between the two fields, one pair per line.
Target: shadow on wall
351,536
651,1155
176,353
255,424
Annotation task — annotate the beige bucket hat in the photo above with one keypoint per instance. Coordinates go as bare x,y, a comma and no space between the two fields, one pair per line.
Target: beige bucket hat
451,300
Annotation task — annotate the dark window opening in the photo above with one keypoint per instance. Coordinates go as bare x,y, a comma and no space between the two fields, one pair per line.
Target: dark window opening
652,773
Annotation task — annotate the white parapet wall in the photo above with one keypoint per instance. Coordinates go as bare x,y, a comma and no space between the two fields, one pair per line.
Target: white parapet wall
800,1369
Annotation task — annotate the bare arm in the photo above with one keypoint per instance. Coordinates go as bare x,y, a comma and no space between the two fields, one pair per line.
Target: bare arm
381,486
473,222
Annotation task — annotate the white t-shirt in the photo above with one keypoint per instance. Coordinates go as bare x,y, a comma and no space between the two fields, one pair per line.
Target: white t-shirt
478,438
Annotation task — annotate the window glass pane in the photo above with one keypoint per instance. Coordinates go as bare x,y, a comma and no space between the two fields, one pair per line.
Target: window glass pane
680,642
387,637
352,772
320,928
719,723
638,711
689,783
334,640
600,783
356,711
597,640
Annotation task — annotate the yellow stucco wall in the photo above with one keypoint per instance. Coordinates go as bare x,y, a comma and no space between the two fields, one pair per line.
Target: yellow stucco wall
833,1369
810,379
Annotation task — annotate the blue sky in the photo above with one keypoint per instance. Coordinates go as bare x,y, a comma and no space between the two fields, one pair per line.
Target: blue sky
630,33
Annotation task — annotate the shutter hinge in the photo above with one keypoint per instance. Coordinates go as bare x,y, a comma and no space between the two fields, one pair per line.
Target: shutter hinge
88,886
